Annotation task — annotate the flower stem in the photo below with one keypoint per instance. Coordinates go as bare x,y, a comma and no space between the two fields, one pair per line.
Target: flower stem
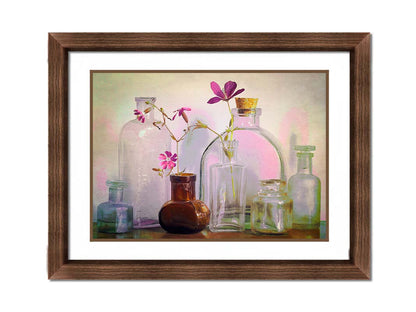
231,120
177,153
173,137
225,150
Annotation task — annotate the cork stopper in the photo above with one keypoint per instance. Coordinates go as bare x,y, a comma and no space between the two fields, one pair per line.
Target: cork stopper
247,106
246,103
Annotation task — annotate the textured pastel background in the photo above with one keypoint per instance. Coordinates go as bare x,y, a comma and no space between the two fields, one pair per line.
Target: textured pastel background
293,110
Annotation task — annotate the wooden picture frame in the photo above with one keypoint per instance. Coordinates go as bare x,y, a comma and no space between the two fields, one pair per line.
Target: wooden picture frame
358,264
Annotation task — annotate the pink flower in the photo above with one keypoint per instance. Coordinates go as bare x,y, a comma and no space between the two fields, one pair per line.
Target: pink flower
140,115
168,160
225,94
181,112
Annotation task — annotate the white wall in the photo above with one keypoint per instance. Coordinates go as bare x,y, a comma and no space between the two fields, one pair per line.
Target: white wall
24,155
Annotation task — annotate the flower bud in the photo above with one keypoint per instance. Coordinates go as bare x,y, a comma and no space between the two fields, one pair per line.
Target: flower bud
185,117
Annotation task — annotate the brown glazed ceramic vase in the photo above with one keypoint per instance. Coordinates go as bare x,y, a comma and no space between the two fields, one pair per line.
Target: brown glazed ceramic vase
183,214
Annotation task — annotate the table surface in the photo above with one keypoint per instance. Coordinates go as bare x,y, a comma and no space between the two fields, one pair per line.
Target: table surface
158,234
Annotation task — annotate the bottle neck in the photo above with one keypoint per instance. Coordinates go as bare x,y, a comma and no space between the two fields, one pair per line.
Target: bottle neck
246,118
116,195
141,106
229,156
305,164
246,121
182,187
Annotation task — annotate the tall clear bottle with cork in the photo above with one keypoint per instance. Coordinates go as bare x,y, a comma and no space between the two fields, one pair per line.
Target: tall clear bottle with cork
139,147
305,191
258,150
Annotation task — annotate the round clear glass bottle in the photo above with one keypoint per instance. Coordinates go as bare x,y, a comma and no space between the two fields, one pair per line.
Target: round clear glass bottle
271,212
139,147
305,190
228,198
258,150
115,216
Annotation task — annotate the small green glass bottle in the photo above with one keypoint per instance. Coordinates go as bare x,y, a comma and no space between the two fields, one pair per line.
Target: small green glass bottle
305,191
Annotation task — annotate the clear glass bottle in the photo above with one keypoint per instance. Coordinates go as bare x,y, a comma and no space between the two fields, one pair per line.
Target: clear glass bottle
139,147
183,213
228,198
271,212
305,190
115,216
258,150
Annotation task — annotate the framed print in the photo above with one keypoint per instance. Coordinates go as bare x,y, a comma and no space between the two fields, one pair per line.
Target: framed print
209,156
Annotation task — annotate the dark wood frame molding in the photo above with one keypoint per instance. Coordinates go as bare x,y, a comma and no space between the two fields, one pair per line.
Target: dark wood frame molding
358,265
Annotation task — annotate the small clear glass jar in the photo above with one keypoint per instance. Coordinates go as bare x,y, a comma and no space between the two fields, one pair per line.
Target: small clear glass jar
271,211
115,216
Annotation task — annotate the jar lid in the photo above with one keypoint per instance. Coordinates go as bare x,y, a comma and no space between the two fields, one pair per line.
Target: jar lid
273,185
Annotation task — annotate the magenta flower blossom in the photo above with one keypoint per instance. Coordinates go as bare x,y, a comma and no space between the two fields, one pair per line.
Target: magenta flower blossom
140,115
181,112
225,94
168,160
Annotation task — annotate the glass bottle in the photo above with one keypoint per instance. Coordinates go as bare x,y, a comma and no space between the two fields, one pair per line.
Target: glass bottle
228,198
271,212
139,147
258,150
183,214
305,190
115,216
